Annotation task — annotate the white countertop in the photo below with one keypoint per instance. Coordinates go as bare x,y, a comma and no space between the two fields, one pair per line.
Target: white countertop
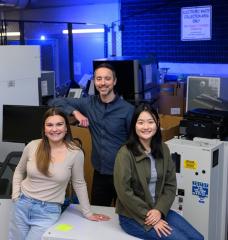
84,229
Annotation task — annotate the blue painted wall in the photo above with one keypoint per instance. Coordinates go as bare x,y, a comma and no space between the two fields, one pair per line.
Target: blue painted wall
154,27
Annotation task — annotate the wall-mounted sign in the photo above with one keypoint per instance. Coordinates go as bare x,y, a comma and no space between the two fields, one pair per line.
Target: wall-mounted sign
196,23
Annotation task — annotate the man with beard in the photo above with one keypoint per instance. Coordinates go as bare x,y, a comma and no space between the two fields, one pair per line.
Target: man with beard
108,117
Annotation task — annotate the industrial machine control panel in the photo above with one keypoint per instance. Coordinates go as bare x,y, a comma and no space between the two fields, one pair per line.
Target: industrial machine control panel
201,185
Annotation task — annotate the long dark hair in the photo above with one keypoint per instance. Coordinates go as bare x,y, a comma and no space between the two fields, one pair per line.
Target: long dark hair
43,153
133,142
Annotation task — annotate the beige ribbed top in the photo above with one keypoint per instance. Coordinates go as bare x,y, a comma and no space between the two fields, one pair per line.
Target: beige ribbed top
28,180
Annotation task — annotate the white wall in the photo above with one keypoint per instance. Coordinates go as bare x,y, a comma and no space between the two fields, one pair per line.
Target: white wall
19,70
195,68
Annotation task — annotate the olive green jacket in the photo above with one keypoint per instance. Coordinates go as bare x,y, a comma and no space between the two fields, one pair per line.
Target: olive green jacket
131,178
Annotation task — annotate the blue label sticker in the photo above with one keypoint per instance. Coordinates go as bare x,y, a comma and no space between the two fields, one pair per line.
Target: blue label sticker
200,189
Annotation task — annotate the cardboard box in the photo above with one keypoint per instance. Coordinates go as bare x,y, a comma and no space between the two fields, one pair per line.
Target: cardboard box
84,135
171,105
171,99
169,126
173,89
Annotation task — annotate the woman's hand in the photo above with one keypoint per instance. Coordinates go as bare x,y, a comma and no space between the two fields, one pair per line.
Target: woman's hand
152,217
15,199
98,217
162,228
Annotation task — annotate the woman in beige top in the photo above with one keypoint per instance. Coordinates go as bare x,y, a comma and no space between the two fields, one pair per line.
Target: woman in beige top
41,178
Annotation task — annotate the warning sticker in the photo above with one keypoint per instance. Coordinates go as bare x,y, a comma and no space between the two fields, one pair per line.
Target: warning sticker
200,189
190,164
63,227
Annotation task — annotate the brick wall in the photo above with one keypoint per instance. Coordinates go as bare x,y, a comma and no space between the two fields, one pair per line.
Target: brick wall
153,27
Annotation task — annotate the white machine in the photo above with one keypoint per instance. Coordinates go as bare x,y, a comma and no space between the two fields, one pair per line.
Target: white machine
224,185
201,184
20,69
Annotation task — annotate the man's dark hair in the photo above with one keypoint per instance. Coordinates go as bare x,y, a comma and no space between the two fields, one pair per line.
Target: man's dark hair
106,65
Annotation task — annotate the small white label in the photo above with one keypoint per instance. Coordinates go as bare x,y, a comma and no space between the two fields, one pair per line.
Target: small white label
174,111
44,88
77,68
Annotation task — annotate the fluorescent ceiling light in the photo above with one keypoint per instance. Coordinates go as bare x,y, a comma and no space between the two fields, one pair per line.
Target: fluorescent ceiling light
42,37
11,34
88,30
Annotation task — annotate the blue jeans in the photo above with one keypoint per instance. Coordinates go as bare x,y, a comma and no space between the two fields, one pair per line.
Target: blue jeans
30,218
182,230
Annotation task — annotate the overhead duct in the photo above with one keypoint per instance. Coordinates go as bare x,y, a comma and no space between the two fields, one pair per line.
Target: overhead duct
14,3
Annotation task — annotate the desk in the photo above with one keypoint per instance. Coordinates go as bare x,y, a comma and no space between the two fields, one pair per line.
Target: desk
84,229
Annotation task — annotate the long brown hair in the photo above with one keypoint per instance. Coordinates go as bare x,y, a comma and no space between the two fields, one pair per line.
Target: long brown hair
43,153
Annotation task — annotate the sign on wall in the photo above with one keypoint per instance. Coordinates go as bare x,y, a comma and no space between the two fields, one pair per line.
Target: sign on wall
196,23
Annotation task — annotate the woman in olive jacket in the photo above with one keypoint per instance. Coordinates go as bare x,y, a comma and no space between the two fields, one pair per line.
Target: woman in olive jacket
145,182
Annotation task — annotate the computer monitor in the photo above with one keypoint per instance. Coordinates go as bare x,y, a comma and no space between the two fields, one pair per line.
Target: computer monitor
137,78
206,92
21,123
